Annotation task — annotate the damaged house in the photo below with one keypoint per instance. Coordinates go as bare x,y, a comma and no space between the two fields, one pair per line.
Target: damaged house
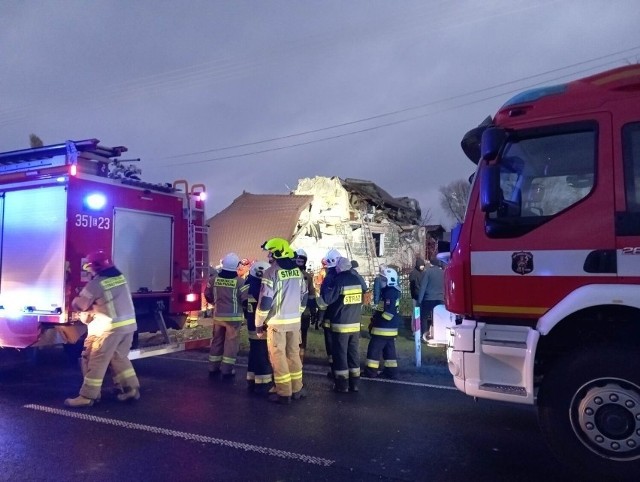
356,217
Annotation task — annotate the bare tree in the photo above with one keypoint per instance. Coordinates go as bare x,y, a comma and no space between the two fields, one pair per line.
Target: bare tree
453,198
35,141
427,215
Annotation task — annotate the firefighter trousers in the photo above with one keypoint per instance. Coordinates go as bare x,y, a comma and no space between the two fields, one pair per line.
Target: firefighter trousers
327,342
101,352
346,356
385,347
284,353
224,347
258,366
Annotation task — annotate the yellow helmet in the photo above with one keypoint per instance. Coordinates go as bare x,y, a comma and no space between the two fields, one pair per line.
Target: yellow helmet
279,248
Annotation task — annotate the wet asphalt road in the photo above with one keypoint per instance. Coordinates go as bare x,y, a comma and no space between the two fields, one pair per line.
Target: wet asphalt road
186,427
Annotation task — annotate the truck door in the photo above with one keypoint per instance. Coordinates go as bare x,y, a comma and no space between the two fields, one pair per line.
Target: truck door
142,249
33,225
628,199
553,231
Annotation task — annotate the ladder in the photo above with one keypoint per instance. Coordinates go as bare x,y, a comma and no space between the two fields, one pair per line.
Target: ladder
198,241
370,245
341,228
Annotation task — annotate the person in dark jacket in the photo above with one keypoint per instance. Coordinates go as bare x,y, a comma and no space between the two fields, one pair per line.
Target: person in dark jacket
309,311
414,279
384,329
344,300
414,287
377,285
431,295
354,270
259,372
327,284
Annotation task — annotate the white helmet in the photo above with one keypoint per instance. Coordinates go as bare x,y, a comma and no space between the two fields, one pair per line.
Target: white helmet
258,268
343,264
391,277
332,257
301,257
230,262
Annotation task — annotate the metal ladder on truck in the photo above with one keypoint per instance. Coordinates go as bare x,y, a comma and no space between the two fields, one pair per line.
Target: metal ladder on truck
198,241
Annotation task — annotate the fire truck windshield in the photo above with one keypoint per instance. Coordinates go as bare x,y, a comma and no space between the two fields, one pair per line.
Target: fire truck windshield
542,173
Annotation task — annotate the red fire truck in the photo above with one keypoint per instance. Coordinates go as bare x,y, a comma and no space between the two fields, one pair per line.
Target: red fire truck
60,202
544,274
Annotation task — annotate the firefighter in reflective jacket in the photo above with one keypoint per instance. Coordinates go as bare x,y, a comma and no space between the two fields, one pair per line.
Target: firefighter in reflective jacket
283,297
259,373
384,328
344,300
111,324
327,285
227,318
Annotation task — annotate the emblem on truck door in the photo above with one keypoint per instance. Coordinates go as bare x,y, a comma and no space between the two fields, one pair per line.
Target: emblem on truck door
522,262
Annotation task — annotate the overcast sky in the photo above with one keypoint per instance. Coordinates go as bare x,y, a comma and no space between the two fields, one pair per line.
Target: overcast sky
253,95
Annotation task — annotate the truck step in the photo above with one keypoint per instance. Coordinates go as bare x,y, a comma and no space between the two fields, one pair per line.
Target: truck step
509,389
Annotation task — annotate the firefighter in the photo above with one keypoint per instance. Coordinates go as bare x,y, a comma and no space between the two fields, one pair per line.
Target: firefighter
111,324
327,284
244,267
344,301
283,297
301,261
208,290
259,372
227,318
384,328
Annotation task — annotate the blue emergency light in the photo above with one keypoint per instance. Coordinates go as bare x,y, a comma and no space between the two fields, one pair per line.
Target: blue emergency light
95,201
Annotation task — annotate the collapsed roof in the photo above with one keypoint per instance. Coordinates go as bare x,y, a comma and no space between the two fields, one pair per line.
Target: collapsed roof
366,194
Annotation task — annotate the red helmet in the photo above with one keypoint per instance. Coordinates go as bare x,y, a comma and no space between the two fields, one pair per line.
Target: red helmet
98,260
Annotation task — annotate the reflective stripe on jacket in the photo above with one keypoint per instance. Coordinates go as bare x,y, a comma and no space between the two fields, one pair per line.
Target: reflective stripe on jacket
345,303
283,297
386,319
227,299
108,298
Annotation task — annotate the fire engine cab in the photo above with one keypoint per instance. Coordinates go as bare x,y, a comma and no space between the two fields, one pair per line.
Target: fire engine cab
544,272
60,202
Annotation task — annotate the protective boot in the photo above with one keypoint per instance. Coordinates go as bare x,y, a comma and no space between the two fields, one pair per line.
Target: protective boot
262,389
79,402
281,399
300,394
341,385
129,394
353,384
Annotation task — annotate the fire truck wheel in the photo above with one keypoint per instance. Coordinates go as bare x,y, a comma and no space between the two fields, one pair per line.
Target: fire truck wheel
589,411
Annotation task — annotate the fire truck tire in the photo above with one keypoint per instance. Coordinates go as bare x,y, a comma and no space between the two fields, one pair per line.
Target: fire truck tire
589,411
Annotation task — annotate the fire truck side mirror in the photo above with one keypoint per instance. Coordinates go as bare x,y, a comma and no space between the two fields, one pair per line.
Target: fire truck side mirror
492,140
490,192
